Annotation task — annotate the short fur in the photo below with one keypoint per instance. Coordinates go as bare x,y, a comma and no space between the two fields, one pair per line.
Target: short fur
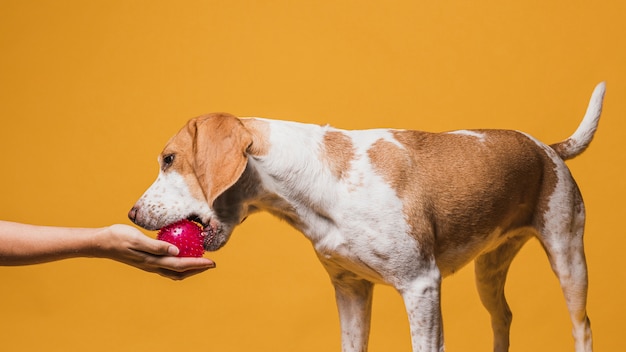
396,207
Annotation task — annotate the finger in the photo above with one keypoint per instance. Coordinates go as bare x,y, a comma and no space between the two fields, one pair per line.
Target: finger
176,275
182,264
156,247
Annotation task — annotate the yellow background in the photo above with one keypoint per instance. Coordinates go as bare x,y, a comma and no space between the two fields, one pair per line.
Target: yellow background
91,90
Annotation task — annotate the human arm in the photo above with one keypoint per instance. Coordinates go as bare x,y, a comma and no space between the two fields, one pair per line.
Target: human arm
23,244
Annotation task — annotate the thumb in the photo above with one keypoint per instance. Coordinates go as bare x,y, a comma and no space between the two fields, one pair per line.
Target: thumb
172,250
158,247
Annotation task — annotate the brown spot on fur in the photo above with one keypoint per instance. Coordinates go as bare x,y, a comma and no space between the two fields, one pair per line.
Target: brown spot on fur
393,163
338,153
458,189
563,149
260,131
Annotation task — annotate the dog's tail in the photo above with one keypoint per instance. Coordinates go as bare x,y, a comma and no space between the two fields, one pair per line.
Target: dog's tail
580,140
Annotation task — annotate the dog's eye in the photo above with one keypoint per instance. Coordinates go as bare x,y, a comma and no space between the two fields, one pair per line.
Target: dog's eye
168,160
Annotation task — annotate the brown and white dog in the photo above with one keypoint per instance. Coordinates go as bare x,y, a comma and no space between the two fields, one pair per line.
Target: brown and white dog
385,206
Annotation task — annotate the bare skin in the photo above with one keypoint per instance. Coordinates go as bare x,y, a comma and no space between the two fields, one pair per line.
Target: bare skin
23,244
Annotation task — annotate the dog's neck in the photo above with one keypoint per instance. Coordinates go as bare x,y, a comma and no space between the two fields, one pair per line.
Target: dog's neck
288,170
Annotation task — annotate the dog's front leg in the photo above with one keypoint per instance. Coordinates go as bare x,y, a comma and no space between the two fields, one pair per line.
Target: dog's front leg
354,301
422,300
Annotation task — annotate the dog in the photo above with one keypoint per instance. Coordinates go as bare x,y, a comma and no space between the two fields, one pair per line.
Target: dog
387,206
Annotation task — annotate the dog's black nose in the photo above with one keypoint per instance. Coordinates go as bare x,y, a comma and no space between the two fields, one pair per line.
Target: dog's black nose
132,214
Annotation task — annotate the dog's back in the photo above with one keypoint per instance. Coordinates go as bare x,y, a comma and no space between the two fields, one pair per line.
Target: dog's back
398,207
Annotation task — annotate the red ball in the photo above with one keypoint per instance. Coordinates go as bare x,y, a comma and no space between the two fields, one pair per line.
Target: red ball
186,235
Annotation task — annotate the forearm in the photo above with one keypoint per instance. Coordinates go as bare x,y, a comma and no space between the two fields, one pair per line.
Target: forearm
22,244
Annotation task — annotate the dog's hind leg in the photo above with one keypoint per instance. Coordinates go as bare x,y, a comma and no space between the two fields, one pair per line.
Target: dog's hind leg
491,269
571,269
568,263
562,239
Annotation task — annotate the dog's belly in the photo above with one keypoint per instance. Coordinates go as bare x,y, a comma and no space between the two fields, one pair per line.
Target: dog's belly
453,258
379,263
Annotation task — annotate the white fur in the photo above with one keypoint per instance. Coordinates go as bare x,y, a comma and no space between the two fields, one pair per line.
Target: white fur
480,136
588,126
360,231
169,199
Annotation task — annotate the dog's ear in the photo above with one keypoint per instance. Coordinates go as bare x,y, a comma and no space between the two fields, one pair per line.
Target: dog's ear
220,141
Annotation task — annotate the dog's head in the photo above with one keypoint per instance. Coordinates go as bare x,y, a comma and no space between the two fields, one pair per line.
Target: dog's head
197,166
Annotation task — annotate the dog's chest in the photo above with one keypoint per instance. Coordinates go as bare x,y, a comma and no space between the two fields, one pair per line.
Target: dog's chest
378,248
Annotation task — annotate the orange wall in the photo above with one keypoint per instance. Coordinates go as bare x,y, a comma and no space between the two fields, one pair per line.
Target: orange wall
91,90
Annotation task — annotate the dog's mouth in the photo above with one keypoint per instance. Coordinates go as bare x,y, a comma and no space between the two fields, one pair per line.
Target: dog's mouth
208,229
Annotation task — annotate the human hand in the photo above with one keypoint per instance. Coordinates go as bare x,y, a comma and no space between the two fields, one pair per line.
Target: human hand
128,245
